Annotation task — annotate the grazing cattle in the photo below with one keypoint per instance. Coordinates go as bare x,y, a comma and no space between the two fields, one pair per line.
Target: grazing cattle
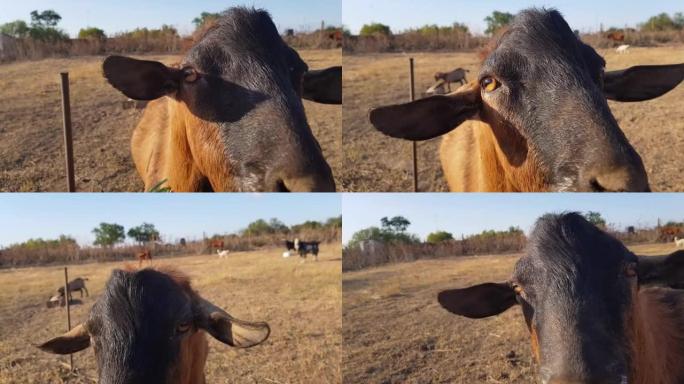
222,253
337,37
679,242
217,244
229,117
622,49
616,36
144,255
150,326
538,115
457,75
591,316
77,284
303,248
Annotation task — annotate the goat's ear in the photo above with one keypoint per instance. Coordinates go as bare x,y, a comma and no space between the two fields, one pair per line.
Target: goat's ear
141,79
666,270
229,330
75,340
642,82
430,117
323,86
478,301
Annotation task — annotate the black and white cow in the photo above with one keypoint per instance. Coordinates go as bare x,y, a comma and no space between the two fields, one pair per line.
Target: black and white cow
303,247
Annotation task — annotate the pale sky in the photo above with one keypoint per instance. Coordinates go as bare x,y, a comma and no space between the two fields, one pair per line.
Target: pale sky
175,215
585,15
121,15
470,213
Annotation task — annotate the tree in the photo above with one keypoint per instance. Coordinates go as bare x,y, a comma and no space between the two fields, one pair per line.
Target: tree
92,33
205,17
334,222
372,233
397,224
144,233
45,19
108,234
375,29
277,226
496,21
17,28
439,236
43,26
595,218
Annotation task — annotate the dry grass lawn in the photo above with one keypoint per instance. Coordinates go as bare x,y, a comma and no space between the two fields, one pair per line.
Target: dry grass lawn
300,301
374,162
396,332
31,142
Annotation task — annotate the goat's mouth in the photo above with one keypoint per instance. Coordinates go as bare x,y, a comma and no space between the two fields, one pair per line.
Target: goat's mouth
281,187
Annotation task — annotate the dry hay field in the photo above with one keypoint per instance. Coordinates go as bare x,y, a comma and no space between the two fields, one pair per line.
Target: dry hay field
31,140
396,332
300,301
374,162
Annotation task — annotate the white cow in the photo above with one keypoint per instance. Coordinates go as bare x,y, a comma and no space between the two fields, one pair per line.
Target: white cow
679,242
622,49
222,253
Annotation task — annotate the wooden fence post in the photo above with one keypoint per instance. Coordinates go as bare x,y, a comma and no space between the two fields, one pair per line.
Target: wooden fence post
412,97
68,144
68,311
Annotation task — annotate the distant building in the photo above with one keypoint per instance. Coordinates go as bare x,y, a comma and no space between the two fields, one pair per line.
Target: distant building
8,47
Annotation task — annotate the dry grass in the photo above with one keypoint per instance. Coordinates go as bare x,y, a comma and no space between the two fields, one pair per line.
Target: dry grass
301,302
32,154
374,162
395,331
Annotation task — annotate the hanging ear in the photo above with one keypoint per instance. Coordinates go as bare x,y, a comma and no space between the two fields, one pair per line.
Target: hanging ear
666,270
430,117
643,82
75,340
141,79
323,86
478,301
229,330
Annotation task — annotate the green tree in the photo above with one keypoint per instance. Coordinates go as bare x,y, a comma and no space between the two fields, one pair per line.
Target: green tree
375,29
44,26
45,19
108,234
496,21
439,236
397,224
334,222
144,233
663,22
595,218
17,28
205,17
91,33
277,226
372,233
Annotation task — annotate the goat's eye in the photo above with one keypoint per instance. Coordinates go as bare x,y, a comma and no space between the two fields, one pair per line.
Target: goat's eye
489,84
189,74
183,327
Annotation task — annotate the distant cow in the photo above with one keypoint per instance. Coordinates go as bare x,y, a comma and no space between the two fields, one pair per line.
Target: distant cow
622,49
303,248
596,312
616,36
150,326
458,75
222,253
144,255
77,284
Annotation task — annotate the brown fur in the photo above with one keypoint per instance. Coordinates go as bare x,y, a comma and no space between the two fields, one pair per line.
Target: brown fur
657,336
144,255
534,341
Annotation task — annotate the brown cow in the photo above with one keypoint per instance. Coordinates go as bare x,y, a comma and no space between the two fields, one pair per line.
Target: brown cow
539,119
230,116
591,316
144,255
150,326
616,36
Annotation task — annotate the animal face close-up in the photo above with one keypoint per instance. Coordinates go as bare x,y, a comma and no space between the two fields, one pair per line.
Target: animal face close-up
586,304
229,117
542,96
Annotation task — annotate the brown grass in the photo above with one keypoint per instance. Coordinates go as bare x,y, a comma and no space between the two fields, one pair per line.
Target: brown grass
374,162
301,302
32,154
395,331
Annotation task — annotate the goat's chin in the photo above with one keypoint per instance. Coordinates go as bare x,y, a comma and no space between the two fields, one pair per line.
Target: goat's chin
565,184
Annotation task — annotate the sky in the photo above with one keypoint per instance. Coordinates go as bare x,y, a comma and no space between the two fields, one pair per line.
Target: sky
120,15
465,214
585,15
48,215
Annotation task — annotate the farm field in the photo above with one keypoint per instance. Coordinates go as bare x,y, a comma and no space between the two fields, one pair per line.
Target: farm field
396,332
301,301
374,162
32,154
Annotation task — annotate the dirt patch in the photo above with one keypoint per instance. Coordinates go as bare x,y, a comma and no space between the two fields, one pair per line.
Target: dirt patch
374,162
32,149
301,302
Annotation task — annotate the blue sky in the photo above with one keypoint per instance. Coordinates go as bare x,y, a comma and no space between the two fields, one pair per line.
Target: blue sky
45,215
585,15
473,213
120,15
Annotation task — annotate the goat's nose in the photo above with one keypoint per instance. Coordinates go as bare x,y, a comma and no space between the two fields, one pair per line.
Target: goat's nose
617,179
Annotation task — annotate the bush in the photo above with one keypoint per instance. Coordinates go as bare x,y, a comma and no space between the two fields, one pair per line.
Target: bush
439,236
375,29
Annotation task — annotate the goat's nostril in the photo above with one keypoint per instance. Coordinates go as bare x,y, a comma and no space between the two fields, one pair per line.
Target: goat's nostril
622,179
595,186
